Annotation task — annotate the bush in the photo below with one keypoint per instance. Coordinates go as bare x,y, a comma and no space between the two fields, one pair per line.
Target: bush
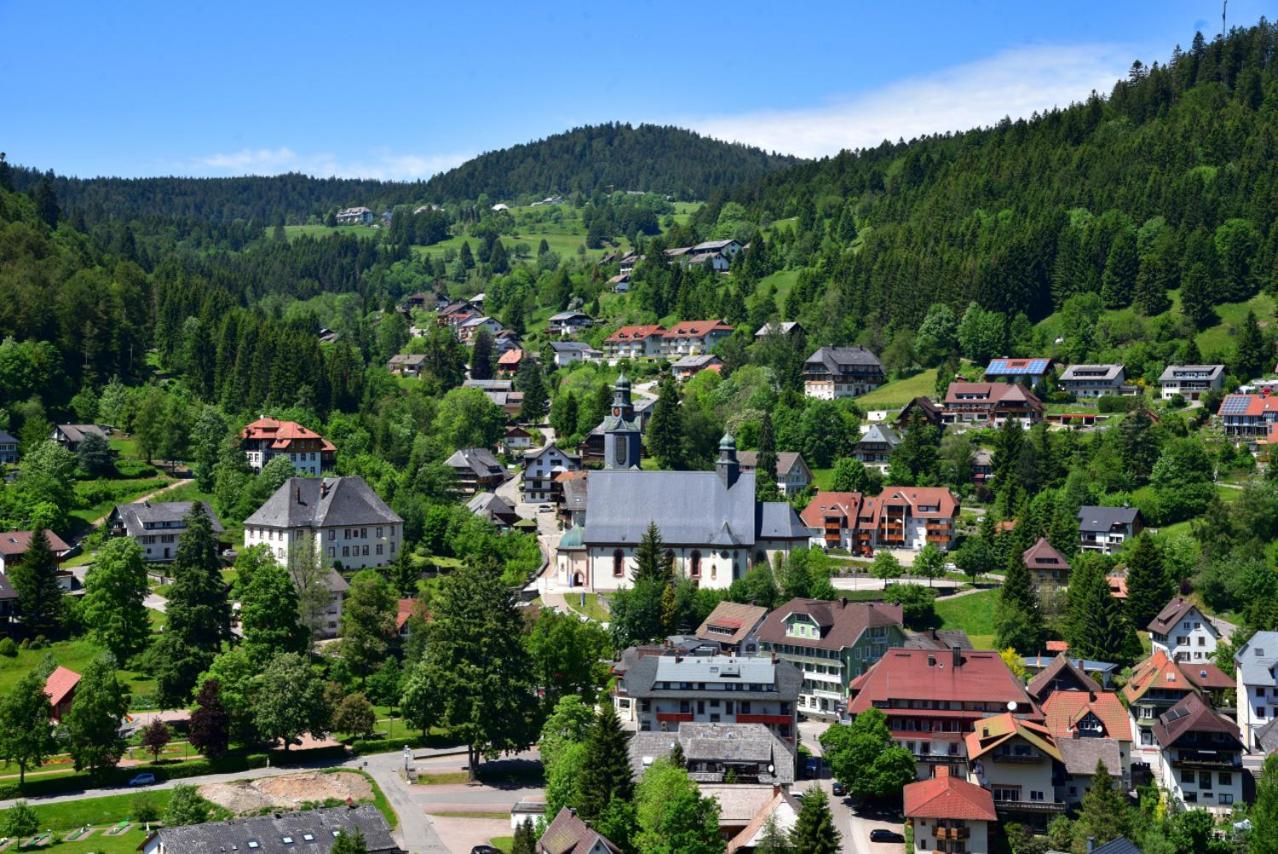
917,604
145,809
8,648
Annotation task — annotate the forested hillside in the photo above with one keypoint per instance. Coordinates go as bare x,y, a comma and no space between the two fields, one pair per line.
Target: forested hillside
1170,182
652,158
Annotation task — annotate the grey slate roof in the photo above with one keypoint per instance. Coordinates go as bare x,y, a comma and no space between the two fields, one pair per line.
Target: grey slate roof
778,521
1121,845
836,358
1081,754
136,517
1103,519
75,433
570,347
689,507
481,461
323,502
1257,658
1190,372
490,505
786,461
7,439
1092,373
709,742
880,434
310,832
781,680
1267,735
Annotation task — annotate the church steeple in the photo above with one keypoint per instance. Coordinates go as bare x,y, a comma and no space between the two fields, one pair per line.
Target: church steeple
622,443
727,466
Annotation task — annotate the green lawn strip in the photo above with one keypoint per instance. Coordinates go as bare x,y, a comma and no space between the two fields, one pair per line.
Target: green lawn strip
503,843
594,608
897,393
973,613
379,797
97,812
73,654
444,779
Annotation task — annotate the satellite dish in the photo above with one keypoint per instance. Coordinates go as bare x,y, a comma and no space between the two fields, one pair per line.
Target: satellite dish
1011,705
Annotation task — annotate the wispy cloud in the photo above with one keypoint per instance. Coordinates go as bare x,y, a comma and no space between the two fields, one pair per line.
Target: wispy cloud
1013,83
381,164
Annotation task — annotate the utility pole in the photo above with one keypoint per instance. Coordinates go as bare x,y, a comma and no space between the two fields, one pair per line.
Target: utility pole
1224,7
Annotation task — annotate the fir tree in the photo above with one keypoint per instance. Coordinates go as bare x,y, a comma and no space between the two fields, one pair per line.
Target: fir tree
1095,624
606,775
35,580
666,428
1252,353
652,563
766,463
481,355
1018,616
533,384
525,840
814,831
1196,296
1105,815
1148,587
1121,268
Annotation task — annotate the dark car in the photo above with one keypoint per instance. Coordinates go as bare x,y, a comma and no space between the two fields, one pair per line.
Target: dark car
881,835
485,849
838,789
812,768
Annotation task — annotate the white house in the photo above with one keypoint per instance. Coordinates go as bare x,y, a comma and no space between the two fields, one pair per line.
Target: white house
1191,381
1256,666
571,352
1199,756
340,517
1184,632
540,467
1093,380
793,474
156,526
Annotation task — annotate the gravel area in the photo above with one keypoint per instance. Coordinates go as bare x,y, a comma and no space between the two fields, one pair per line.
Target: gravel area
289,791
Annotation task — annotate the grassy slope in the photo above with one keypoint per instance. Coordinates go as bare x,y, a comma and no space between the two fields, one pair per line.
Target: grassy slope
973,613
897,393
75,654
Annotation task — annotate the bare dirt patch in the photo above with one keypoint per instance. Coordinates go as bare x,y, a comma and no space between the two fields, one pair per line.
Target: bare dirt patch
288,791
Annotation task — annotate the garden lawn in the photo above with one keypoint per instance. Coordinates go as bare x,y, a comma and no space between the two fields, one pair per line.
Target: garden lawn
896,394
973,613
595,608
73,654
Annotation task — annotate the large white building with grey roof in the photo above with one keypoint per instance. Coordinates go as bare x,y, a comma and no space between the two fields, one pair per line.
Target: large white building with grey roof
1256,669
156,525
342,518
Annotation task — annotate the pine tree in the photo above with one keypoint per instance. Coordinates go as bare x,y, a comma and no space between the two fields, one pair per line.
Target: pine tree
606,775
766,463
652,561
1105,815
35,579
350,843
533,385
1095,623
666,428
481,355
1148,587
1018,615
1252,353
1151,287
814,831
1196,296
198,612
47,201
1121,269
525,841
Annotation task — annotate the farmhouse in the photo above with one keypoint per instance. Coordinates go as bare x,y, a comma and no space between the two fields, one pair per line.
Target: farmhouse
832,373
476,470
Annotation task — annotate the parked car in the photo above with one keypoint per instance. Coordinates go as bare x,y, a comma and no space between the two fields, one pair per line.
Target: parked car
880,834
485,849
146,778
838,789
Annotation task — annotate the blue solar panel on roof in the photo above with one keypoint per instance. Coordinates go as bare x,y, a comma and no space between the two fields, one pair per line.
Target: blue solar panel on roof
1003,366
1235,404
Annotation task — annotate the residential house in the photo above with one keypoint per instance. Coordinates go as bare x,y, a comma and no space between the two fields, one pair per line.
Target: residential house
933,699
743,753
1085,381
1256,669
727,248
156,526
511,403
1016,760
713,525
14,546
571,352
354,216
1047,566
786,329
781,810
688,367
620,283
342,518
8,448
1089,725
509,362
1106,529
949,814
685,256
476,469
328,336
1248,416
568,834
59,687
990,405
1184,632
659,693
70,436
309,831
1199,757
1026,372
874,448
1061,675
456,313
501,384
921,407
1191,381
541,465
494,508
734,626
982,467
831,519
831,644
406,364
634,342
571,489
467,329
405,610
267,438
516,440
693,337
567,323
1158,683
832,373
793,474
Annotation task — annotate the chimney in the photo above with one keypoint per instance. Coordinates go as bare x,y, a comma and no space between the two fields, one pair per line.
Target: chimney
299,495
942,771
956,656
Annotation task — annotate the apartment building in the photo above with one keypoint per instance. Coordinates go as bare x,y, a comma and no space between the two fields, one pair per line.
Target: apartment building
1092,381
1199,757
832,373
990,405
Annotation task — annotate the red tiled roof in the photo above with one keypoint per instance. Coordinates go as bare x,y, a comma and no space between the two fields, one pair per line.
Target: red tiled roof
696,328
1064,709
1254,405
634,333
918,674
408,608
14,543
1160,671
1057,646
60,684
823,504
283,433
510,357
944,796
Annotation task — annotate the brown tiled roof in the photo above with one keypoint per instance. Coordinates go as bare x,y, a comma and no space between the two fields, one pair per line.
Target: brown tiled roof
14,543
736,616
990,393
917,674
1173,612
696,328
1060,664
1161,671
1064,709
944,796
1043,555
841,622
1191,714
568,834
845,504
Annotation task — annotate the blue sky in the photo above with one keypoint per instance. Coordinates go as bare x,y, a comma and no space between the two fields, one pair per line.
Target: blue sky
400,90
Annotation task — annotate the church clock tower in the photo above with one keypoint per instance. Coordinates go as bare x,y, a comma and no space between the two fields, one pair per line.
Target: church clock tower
622,445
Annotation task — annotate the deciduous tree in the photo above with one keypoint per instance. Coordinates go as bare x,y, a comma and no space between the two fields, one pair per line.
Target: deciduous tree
210,728
114,590
26,729
93,723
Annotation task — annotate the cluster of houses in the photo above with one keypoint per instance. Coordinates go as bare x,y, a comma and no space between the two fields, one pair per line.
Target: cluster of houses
988,747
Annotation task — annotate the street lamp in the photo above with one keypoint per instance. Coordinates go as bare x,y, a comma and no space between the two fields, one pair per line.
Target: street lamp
408,758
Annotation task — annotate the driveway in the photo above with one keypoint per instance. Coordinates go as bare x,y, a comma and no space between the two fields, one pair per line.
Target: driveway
859,826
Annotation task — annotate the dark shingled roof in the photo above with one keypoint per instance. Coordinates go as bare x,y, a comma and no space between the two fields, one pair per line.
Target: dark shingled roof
1192,714
323,502
568,834
841,622
135,517
1104,519
1061,671
835,358
309,832
1173,612
641,674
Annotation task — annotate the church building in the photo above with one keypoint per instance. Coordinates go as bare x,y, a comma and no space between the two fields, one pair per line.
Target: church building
711,522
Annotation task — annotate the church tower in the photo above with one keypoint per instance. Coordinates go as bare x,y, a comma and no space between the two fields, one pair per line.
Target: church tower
622,445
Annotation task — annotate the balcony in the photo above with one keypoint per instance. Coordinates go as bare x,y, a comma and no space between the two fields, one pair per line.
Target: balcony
674,717
767,720
945,833
1208,760
939,758
1026,758
1028,806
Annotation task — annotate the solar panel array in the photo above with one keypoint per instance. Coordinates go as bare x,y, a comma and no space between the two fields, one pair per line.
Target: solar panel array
1235,404
1005,366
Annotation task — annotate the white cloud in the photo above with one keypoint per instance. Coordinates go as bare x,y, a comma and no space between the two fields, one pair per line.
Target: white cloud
381,164
1013,83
